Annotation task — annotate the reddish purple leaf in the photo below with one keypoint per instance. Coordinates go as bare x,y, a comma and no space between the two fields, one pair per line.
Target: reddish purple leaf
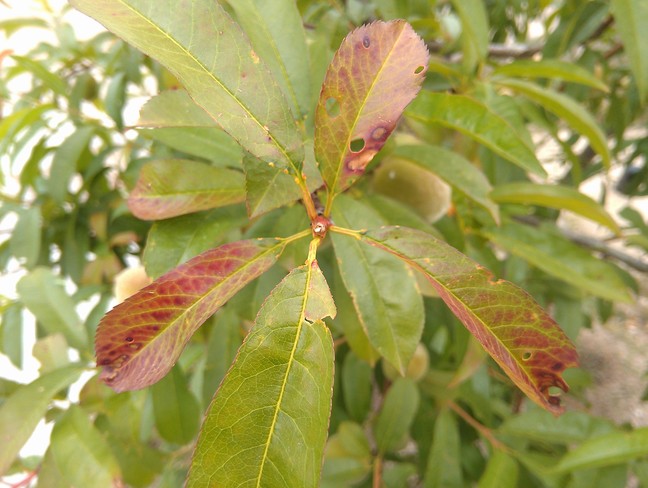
170,187
523,339
139,340
376,72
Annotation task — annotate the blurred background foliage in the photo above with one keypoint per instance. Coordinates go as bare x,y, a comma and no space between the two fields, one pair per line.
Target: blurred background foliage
570,78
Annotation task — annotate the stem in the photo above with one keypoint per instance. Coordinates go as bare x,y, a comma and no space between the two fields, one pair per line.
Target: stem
482,429
306,197
377,471
312,250
347,232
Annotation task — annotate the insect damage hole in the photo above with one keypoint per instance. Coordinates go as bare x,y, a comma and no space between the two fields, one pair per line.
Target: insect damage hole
332,107
419,69
527,355
357,145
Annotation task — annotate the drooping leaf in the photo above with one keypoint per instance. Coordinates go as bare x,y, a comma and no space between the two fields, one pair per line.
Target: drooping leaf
203,47
46,298
277,34
455,170
554,196
606,450
20,413
510,325
79,453
173,241
396,415
632,21
171,187
139,340
567,109
551,69
376,72
476,120
267,424
176,409
552,253
387,302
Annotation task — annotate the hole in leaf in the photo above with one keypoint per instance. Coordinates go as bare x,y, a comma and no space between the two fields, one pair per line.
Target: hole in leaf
366,42
419,69
357,145
332,107
526,355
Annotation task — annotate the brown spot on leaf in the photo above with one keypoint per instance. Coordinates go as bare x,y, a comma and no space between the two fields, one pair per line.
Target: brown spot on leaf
366,42
379,134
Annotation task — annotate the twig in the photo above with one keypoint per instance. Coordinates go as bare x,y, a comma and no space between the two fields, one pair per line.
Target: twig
482,429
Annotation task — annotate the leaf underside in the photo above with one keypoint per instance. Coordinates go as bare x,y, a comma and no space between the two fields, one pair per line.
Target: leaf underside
268,421
376,72
139,340
522,338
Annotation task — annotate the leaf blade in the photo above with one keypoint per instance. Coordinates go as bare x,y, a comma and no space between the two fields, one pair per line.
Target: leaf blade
139,340
228,81
470,292
283,369
385,60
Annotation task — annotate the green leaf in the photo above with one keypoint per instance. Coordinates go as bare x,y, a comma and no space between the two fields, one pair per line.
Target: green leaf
174,241
11,25
383,291
80,453
502,471
348,457
51,352
476,120
455,170
139,340
356,386
267,424
115,99
474,31
21,412
26,236
47,299
66,159
173,108
277,34
554,196
213,59
267,187
523,339
606,450
171,187
396,415
443,464
567,109
376,72
551,69
12,334
176,409
37,69
631,18
549,251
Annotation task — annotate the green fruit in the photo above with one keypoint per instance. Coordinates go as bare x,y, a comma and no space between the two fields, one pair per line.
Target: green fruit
417,368
412,185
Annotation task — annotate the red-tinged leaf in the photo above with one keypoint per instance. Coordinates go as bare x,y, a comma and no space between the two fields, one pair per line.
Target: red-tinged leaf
523,339
171,187
139,340
376,72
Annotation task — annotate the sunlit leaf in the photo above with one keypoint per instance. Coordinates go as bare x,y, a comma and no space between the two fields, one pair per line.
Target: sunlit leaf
631,18
555,255
376,72
384,294
476,120
554,196
171,187
512,327
26,236
203,47
267,424
277,34
455,170
567,109
139,340
20,413
11,340
551,69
